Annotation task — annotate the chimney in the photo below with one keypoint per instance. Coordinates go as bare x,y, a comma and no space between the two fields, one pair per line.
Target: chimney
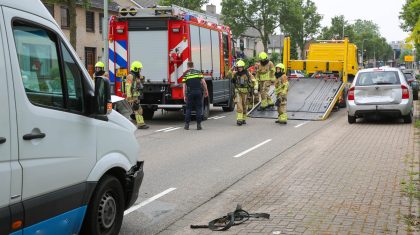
211,9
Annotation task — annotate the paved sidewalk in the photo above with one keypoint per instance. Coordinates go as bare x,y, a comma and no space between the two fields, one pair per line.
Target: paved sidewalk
345,179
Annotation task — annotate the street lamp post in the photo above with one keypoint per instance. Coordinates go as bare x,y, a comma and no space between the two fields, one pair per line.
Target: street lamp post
363,42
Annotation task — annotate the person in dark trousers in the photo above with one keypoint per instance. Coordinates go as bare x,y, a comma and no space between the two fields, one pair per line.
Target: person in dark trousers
194,87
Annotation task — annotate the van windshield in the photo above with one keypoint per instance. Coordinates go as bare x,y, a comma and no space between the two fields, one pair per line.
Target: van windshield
378,78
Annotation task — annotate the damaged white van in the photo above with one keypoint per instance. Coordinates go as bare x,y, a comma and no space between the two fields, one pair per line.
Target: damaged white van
68,164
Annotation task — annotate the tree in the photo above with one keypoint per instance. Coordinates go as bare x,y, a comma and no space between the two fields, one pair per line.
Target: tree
410,15
71,6
262,15
189,4
300,20
335,31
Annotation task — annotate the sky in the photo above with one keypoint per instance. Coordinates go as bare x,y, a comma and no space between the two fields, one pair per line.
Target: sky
382,12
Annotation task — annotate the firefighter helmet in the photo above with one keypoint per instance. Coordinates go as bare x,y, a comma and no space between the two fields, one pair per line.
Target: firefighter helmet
136,66
240,63
99,64
263,56
280,65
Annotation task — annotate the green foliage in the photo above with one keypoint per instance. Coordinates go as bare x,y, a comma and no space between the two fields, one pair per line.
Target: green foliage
410,14
262,15
190,4
275,57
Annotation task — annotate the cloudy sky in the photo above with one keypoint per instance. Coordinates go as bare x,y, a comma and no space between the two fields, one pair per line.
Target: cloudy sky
383,12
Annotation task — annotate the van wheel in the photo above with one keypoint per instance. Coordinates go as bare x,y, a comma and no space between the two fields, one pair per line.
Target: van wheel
408,118
105,211
351,119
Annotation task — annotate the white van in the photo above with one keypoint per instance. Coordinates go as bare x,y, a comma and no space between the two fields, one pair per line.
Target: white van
68,165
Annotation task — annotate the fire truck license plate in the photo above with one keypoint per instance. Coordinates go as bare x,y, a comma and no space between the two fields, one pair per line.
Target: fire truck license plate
121,72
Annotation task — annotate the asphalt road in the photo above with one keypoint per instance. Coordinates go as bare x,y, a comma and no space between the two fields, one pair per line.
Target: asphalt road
185,169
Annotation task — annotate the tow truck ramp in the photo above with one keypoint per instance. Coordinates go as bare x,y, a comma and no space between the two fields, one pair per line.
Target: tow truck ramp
308,99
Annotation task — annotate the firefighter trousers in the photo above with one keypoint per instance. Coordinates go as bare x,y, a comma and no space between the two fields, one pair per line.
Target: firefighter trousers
138,111
282,109
265,97
241,106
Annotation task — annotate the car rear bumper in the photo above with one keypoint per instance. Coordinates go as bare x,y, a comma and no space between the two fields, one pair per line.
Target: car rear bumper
402,109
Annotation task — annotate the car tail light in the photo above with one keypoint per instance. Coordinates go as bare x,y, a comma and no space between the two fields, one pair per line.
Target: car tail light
405,92
350,94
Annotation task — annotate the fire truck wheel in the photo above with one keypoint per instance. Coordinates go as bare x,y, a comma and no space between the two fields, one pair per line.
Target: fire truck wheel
206,109
148,113
231,106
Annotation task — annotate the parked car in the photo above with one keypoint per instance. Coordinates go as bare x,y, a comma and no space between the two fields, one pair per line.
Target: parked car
296,74
380,91
411,80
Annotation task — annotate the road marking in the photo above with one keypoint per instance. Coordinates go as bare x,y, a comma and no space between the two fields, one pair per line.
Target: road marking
147,201
218,117
303,123
164,129
173,129
249,150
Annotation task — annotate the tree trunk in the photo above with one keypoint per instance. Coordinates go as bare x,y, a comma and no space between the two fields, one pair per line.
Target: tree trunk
264,39
73,27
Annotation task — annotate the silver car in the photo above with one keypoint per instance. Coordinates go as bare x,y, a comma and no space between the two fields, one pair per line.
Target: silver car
380,91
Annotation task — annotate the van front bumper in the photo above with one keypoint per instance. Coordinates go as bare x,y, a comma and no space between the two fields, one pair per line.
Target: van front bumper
134,178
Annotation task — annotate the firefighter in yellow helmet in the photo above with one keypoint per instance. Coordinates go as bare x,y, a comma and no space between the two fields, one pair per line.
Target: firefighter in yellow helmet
133,88
281,89
265,75
243,82
100,70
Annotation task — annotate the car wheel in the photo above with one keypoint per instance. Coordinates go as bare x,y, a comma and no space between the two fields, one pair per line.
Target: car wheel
105,211
408,118
415,95
351,119
148,113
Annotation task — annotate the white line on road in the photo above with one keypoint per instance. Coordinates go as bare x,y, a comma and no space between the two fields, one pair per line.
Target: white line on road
303,123
173,129
147,201
215,117
249,150
218,117
164,129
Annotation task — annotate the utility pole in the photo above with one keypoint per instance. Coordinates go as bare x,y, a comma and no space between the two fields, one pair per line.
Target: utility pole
363,42
105,35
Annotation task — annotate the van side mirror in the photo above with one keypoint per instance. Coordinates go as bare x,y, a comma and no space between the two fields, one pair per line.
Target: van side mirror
103,104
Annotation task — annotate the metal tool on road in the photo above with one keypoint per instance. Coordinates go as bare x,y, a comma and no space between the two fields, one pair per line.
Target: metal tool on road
239,216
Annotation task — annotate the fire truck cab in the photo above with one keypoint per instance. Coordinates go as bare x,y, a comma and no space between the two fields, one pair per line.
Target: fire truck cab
164,39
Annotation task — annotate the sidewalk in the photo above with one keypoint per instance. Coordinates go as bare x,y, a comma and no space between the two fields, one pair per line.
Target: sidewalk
345,179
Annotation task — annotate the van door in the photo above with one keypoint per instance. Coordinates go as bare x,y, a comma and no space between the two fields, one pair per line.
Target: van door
5,148
57,142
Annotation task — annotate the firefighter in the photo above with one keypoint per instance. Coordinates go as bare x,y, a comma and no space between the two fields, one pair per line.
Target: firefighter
194,86
133,88
281,89
265,75
100,70
243,82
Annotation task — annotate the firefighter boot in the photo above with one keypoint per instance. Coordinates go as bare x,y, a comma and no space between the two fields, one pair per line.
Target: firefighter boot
239,118
244,119
140,122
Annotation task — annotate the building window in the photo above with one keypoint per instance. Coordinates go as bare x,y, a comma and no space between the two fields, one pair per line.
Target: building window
101,19
90,57
90,21
50,8
65,17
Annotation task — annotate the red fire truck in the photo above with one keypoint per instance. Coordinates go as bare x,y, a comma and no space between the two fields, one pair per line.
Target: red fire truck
164,39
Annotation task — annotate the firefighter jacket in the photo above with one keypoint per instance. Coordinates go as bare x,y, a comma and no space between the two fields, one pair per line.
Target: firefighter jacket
281,86
244,81
265,72
133,85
